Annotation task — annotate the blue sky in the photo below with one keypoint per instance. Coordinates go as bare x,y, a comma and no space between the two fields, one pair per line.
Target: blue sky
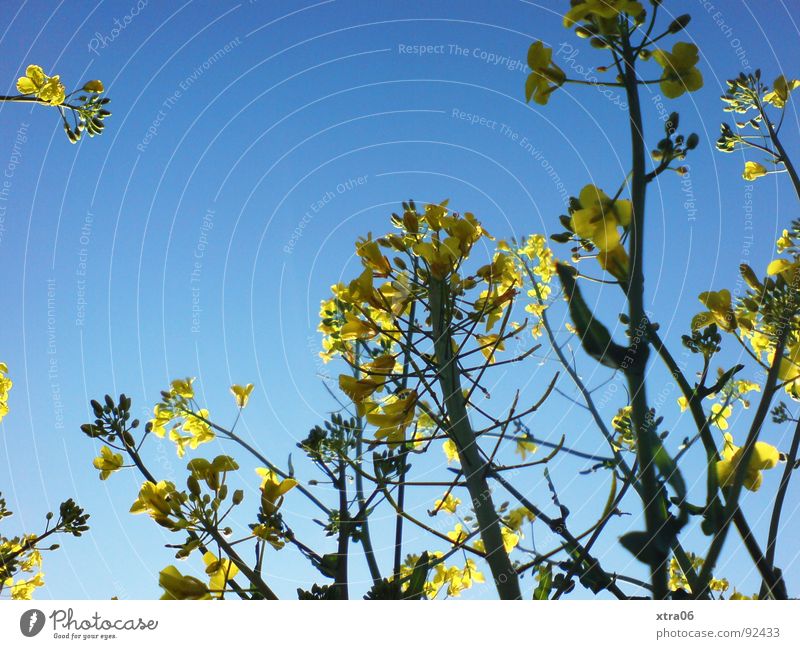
250,144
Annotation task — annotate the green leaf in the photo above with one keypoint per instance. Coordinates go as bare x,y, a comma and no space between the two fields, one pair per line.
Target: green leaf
595,338
545,579
416,583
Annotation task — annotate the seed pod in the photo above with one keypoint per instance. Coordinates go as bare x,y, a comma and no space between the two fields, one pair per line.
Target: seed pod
679,24
193,485
750,277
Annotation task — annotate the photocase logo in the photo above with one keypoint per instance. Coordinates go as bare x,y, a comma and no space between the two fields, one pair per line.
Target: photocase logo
31,622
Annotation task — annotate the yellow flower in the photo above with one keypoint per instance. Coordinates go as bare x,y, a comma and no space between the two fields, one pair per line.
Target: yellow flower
789,370
785,268
377,372
361,288
737,595
32,562
372,257
5,387
219,572
720,414
441,256
516,517
23,589
269,534
182,388
510,540
178,586
450,451
678,580
598,218
273,489
466,230
357,389
764,456
156,500
458,535
241,394
470,574
683,402
457,579
784,241
199,429
718,585
489,345
36,82
163,416
393,418
604,12
753,170
181,441
720,311
357,329
545,76
107,462
524,447
779,94
680,73
744,386
449,504
615,261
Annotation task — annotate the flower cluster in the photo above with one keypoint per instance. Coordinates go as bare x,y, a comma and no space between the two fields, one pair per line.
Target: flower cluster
20,555
601,16
451,580
367,323
185,587
764,456
596,219
749,96
545,76
37,83
88,110
680,72
768,307
679,581
179,417
5,388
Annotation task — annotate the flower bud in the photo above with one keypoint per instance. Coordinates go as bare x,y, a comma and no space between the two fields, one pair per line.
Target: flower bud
679,24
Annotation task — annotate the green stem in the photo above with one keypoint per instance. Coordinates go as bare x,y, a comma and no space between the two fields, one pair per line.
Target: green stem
573,545
341,579
774,525
734,491
254,579
363,517
654,512
401,489
712,457
460,431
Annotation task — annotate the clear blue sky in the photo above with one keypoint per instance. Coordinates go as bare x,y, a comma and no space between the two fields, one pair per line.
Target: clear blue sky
243,168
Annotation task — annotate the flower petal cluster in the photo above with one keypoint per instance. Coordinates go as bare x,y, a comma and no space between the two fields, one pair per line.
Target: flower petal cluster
680,72
37,83
764,456
545,76
597,219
